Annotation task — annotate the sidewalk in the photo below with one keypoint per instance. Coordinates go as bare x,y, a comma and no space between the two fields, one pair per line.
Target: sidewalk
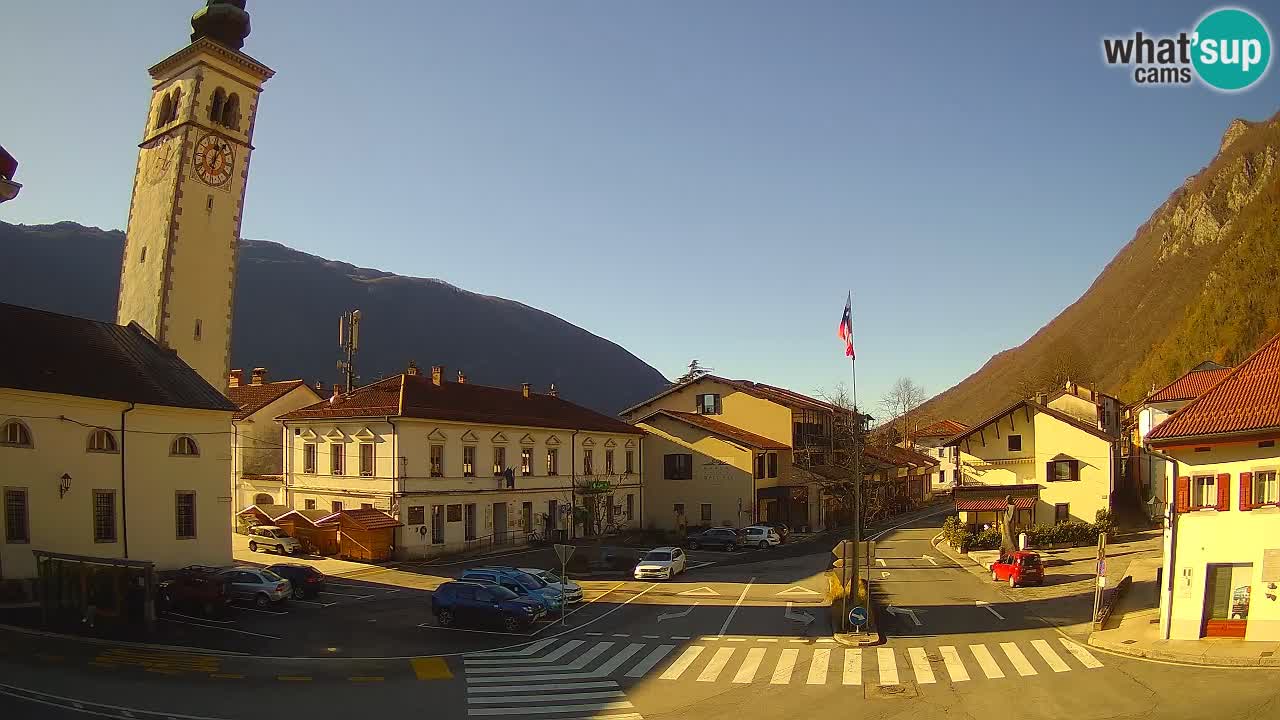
1134,629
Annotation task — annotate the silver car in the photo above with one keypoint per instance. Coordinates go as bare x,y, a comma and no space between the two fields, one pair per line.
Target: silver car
258,585
570,589
274,538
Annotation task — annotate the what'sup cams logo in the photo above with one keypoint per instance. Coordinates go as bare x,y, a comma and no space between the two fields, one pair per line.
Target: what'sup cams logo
1229,50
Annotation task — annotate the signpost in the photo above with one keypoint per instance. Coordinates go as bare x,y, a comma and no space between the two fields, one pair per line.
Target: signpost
858,617
1102,575
564,552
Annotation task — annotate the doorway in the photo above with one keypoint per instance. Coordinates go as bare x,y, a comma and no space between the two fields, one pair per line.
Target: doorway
469,521
1226,600
526,516
499,522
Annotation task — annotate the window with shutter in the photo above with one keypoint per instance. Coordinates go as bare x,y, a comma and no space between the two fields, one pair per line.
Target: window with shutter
1182,494
1224,493
1246,491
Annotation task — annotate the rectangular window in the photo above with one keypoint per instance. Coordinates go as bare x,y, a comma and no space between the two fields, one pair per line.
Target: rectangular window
629,460
942,452
437,461
185,515
1204,491
526,461
366,506
337,458
335,506
553,461
759,466
706,512
587,465
942,477
1015,443
608,462
455,513
366,459
309,504
437,524
309,458
104,516
1061,512
468,461
708,404
773,464
1064,470
499,460
417,515
677,466
631,506
17,529
678,509
1264,488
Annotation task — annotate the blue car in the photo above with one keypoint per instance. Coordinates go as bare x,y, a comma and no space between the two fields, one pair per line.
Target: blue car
465,603
521,583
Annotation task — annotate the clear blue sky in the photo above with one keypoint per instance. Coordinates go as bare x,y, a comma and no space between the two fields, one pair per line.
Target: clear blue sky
688,179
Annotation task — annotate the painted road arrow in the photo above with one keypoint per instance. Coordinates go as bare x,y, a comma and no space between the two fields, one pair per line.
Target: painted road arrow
990,609
895,611
800,617
882,562
797,590
929,558
704,590
669,616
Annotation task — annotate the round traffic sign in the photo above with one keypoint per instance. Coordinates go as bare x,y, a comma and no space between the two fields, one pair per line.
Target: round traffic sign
858,616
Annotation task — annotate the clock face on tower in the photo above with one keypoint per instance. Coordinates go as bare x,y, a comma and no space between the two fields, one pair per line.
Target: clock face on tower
213,160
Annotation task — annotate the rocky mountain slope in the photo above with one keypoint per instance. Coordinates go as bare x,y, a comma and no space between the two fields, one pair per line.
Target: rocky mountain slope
1197,281
287,308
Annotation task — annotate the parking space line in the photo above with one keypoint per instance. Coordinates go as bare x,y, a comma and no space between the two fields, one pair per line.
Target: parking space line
227,676
313,602
429,626
366,678
223,629
350,595
294,678
193,617
259,610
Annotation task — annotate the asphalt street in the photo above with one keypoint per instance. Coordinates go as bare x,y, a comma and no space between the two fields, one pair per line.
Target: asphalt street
744,640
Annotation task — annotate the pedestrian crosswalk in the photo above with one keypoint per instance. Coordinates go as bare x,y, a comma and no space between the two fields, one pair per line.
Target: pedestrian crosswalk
570,675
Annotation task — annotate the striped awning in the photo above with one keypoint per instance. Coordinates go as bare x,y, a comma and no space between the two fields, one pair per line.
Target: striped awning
993,504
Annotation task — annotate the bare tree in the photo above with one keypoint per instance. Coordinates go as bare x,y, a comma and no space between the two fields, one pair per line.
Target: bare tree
901,406
1063,361
840,472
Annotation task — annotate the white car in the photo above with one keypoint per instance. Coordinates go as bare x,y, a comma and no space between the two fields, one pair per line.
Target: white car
569,589
761,536
661,563
272,537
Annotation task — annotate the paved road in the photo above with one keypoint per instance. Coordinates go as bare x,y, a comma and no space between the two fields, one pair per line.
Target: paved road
721,644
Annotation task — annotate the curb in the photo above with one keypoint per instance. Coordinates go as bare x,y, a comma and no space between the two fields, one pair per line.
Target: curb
857,639
1181,658
121,643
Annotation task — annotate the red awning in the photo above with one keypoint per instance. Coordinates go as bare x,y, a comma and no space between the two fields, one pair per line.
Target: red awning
993,504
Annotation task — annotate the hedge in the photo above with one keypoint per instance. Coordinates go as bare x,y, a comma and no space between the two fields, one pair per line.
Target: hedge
1072,532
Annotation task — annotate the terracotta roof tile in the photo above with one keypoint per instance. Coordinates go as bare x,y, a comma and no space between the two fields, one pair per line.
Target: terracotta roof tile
992,504
1189,386
942,429
723,429
252,398
782,396
1246,398
417,397
1052,412
68,355
368,519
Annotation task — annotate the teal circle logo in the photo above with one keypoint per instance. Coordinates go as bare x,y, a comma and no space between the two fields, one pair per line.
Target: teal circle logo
1232,49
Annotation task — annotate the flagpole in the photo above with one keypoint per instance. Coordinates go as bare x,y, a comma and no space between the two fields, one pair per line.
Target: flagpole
857,463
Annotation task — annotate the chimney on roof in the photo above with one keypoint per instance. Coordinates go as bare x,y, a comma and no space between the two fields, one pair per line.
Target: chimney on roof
413,368
553,392
1039,398
437,374
235,379
462,378
524,389
337,392
259,376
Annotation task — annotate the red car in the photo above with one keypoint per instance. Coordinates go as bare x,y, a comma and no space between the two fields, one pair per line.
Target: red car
1020,568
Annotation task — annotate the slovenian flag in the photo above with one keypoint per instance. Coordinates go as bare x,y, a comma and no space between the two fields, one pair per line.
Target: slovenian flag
846,326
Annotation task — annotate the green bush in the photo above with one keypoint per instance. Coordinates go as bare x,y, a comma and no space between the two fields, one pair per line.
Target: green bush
988,539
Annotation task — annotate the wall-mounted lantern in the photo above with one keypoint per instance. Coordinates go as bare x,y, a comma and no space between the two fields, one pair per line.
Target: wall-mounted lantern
64,485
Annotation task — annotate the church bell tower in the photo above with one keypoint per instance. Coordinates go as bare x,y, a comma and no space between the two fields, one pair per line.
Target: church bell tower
178,276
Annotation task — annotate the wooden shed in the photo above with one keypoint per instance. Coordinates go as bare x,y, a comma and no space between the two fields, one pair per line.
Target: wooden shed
317,530
256,515
366,534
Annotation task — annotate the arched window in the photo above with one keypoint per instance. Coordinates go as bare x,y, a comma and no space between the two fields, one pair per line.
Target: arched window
15,433
184,445
215,107
166,109
102,441
262,499
175,105
231,112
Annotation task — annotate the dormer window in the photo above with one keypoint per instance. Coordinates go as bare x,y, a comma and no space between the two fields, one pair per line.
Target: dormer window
708,404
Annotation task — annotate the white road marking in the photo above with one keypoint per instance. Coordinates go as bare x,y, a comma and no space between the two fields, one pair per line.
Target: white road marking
494,700
766,639
920,666
650,660
602,615
543,687
786,664
700,591
736,605
747,672
853,666
717,665
955,667
548,658
682,663
818,667
888,666
583,660
360,597
616,661
588,707
1050,657
986,662
219,627
622,635
797,590
1020,662
1085,657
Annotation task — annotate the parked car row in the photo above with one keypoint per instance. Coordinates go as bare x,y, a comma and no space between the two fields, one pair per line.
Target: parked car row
508,597
209,590
762,536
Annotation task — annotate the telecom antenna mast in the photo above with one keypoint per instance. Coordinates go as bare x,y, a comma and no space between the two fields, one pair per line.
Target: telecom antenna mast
349,341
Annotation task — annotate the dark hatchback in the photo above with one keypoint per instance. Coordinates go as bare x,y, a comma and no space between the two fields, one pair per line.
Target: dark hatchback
198,588
307,581
465,603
